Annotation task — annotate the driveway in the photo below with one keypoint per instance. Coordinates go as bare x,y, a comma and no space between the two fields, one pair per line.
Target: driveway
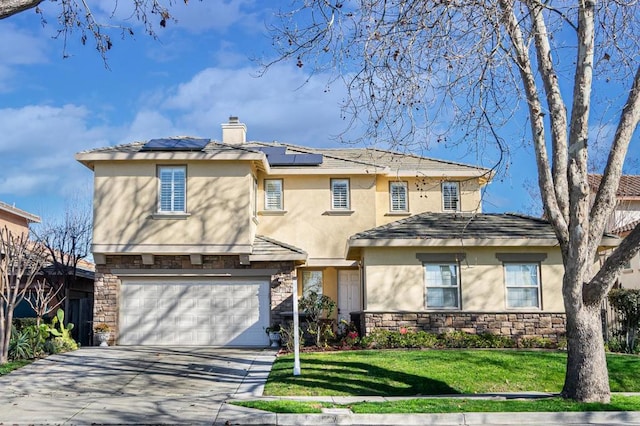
125,385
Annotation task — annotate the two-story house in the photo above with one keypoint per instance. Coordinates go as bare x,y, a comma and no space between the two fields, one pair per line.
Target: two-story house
624,219
199,242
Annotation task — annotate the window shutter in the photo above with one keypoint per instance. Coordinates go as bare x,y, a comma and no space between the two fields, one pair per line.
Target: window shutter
273,194
340,194
450,196
172,189
398,196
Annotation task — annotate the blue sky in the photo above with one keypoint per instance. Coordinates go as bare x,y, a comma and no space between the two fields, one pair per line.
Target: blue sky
187,82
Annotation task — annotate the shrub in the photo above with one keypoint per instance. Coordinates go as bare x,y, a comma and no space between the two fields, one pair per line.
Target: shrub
627,303
315,306
21,323
28,343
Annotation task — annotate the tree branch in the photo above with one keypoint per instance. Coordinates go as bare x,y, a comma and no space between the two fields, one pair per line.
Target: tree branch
598,287
605,200
11,7
545,180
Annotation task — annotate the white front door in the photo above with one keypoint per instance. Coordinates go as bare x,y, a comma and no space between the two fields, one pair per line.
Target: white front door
348,293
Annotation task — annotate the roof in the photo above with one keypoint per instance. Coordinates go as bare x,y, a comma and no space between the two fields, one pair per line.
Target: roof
268,249
629,186
18,212
625,229
451,229
454,226
348,160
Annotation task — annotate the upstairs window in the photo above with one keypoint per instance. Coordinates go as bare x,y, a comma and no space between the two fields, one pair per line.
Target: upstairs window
450,196
340,194
173,186
273,199
398,197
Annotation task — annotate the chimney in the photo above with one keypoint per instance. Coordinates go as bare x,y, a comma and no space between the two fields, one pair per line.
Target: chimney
234,132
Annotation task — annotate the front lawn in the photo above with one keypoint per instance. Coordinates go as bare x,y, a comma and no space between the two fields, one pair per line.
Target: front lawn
13,365
434,372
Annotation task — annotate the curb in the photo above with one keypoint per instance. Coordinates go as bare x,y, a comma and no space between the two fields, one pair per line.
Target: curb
234,415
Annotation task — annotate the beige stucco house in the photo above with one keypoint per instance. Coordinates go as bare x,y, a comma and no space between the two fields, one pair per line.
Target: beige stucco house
199,242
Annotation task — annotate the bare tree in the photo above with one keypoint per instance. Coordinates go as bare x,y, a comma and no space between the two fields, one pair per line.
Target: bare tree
421,71
43,299
67,241
77,16
20,262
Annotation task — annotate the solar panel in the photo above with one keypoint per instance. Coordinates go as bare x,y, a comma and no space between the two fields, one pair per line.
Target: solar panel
295,159
273,150
175,144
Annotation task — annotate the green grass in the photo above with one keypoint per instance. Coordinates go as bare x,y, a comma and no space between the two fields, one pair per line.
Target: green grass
13,365
449,405
434,372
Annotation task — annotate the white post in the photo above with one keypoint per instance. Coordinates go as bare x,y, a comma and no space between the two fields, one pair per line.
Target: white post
296,333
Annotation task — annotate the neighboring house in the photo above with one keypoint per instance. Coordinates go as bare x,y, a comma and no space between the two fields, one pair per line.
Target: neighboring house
198,242
80,295
624,219
17,221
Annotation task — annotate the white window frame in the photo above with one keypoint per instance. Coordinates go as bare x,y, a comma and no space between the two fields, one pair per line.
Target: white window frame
512,286
339,203
274,200
172,189
447,196
312,280
431,285
395,204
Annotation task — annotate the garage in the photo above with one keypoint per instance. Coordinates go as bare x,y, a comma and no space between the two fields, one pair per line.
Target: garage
194,312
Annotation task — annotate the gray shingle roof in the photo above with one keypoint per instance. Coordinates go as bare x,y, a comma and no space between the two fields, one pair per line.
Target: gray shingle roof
265,248
461,226
333,158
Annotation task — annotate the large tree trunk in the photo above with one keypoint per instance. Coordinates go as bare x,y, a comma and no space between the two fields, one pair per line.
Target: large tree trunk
587,378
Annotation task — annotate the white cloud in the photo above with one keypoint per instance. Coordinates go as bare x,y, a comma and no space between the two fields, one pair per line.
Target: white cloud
19,47
38,146
276,106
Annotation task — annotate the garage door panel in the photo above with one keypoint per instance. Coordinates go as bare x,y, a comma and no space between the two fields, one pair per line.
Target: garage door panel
194,312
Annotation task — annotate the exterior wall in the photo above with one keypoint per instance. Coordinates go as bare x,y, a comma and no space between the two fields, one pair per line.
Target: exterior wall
515,325
424,195
307,216
630,277
107,284
15,224
218,201
394,279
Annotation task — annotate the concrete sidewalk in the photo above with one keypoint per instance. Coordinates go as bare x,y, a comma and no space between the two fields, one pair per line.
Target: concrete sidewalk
234,415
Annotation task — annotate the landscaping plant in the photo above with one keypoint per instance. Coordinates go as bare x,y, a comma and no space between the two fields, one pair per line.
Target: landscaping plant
316,307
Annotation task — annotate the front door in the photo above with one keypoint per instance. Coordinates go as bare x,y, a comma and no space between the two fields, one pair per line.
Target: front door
348,293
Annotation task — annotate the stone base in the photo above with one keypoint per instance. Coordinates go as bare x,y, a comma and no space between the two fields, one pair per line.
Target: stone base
518,325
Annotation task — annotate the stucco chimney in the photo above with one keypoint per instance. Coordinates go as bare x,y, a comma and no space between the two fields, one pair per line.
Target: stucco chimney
234,132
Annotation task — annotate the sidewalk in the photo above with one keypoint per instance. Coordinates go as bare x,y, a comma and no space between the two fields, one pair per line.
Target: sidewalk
234,415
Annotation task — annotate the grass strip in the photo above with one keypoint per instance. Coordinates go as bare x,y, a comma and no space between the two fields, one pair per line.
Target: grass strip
13,365
448,405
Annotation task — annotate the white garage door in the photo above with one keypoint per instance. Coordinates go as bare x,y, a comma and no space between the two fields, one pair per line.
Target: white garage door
203,312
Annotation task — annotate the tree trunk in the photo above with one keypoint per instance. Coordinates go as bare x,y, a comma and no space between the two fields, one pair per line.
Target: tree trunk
587,378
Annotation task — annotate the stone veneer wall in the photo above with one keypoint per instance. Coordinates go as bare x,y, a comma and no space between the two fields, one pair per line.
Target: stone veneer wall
107,285
516,324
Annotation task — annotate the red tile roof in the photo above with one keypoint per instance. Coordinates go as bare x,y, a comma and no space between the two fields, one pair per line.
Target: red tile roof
629,186
625,229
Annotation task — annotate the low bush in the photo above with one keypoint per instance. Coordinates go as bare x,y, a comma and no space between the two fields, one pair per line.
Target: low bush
411,339
29,341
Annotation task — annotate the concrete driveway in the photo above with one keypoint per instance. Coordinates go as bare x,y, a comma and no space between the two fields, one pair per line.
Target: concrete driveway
128,385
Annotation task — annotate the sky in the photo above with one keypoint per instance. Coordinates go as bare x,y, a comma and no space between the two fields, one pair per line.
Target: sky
57,99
